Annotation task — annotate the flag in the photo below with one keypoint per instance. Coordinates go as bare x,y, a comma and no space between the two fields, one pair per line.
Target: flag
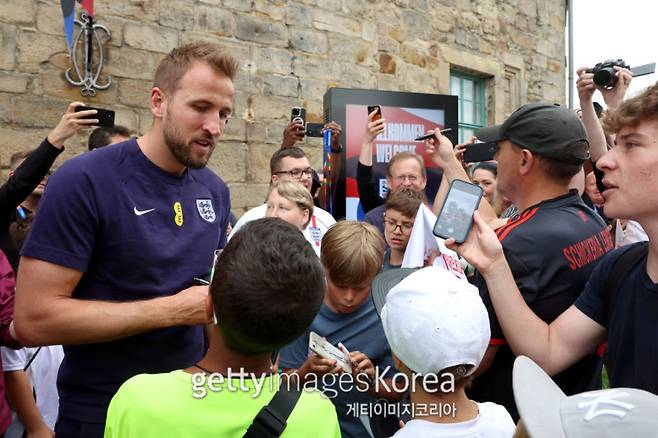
68,11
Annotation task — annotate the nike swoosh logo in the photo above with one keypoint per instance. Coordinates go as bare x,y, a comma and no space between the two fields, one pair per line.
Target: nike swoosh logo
141,212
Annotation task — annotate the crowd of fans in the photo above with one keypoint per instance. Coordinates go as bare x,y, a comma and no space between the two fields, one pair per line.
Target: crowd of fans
138,307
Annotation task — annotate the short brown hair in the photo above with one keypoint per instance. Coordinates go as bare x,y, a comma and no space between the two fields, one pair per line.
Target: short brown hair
632,111
295,193
352,253
172,68
405,200
403,156
275,161
18,156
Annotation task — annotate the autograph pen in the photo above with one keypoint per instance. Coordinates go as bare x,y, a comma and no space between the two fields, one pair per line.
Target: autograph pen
426,136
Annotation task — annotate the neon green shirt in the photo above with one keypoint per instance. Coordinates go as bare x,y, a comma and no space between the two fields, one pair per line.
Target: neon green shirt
166,405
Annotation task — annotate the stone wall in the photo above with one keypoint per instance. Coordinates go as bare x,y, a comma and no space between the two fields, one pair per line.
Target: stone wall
290,53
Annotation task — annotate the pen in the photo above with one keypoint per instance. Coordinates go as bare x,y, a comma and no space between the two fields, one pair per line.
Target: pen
430,135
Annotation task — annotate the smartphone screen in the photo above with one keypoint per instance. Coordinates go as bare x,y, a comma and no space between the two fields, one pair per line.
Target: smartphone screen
372,108
456,215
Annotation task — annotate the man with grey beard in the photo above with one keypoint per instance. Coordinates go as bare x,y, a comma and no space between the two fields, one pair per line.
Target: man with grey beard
108,269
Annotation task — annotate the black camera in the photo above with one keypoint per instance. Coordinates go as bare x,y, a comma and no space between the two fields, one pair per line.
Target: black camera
604,72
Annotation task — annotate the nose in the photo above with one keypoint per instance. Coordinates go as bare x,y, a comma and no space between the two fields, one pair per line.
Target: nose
607,161
406,182
214,125
349,296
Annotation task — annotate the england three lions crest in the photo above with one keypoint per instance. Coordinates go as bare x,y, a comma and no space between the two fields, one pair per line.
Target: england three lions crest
204,207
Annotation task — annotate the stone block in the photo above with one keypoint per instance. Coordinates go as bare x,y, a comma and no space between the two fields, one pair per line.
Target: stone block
349,49
334,6
273,60
260,30
6,109
247,196
416,25
297,14
258,162
153,38
386,64
338,24
49,18
134,92
310,41
237,5
18,11
34,49
214,20
273,107
38,111
14,139
52,82
8,34
236,130
145,121
239,50
131,63
411,53
229,161
316,68
275,85
274,9
177,14
127,117
146,11
313,89
13,82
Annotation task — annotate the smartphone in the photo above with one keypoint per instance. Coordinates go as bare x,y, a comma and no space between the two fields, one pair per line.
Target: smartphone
323,348
456,215
105,117
372,108
480,152
314,129
431,134
298,114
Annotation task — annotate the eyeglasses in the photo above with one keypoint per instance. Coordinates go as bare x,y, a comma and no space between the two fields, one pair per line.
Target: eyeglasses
405,227
296,173
402,178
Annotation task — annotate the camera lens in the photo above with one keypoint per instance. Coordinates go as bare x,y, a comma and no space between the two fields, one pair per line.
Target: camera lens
605,77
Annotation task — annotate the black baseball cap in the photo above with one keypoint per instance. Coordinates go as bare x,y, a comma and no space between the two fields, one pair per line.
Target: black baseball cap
547,129
384,282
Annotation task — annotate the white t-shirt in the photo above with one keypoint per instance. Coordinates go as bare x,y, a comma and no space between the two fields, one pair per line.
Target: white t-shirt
493,421
320,222
42,373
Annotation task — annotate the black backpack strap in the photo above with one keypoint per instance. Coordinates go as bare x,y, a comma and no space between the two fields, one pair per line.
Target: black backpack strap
621,266
271,420
619,269
32,359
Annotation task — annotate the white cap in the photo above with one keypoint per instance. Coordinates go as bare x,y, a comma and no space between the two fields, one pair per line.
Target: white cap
434,321
547,412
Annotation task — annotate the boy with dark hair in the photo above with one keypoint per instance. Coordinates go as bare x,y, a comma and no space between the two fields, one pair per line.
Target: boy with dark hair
400,211
352,254
266,274
101,137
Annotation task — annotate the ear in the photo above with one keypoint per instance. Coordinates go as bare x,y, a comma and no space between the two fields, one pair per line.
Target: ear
307,216
274,179
158,103
526,161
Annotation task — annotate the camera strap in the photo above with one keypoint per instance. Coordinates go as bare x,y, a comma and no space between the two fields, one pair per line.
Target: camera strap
271,421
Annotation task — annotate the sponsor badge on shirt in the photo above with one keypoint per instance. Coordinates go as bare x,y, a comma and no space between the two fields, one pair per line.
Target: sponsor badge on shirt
316,234
204,207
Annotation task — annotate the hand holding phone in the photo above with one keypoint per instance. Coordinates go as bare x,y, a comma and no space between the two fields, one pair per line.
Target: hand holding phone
105,117
378,114
481,151
324,349
298,115
456,215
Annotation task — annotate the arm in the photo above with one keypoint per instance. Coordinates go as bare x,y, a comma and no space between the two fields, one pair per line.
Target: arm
29,174
292,133
367,190
554,347
440,149
47,314
595,135
21,399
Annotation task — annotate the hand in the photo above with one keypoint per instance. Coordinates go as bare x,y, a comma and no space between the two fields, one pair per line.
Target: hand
319,366
440,149
615,95
429,258
362,365
335,133
585,85
42,432
194,305
293,133
481,248
373,129
459,153
70,123
592,190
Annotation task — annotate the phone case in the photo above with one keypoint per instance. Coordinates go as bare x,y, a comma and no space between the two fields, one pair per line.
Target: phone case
480,152
459,219
323,348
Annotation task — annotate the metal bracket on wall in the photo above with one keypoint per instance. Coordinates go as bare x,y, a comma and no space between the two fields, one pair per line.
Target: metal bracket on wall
88,72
